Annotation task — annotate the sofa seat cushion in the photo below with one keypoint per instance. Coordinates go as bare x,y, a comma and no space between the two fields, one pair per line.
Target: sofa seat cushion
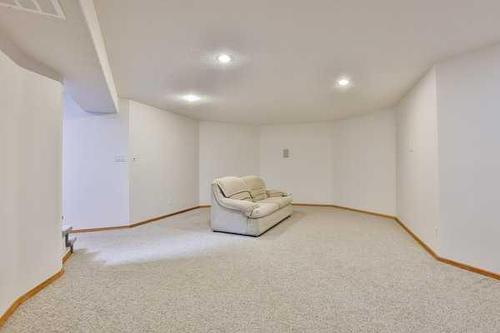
257,187
234,188
264,209
280,201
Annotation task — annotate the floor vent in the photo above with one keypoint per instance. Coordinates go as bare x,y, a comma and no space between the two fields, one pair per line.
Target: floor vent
41,7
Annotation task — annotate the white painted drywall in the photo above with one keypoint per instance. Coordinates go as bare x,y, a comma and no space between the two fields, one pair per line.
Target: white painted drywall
30,178
226,150
349,162
164,174
90,15
95,168
417,161
307,172
469,156
127,167
364,162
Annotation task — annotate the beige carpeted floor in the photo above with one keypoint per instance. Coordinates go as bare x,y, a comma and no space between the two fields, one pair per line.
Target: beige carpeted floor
323,270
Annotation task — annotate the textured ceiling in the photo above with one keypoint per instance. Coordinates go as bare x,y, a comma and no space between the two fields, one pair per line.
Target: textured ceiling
289,52
63,45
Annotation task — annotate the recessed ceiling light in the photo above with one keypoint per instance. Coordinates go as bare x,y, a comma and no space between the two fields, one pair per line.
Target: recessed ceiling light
191,98
224,58
343,82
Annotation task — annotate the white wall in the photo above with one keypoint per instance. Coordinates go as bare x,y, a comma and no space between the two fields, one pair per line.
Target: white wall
469,154
307,173
164,175
349,162
364,162
30,178
417,161
125,168
226,149
173,159
95,168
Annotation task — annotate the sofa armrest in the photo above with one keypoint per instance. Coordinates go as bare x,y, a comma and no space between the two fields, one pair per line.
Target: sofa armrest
246,207
276,193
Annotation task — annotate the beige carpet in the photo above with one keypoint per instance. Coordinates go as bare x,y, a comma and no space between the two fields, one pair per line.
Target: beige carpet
323,270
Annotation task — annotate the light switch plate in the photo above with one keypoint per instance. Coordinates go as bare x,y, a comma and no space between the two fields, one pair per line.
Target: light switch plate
121,159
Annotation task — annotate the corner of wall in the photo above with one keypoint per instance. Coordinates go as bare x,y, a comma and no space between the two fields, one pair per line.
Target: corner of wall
90,15
417,159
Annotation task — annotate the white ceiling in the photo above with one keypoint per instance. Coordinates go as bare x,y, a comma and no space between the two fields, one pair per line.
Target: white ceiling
63,45
288,52
291,52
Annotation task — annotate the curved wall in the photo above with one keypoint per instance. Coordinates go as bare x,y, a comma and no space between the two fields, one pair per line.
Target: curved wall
30,178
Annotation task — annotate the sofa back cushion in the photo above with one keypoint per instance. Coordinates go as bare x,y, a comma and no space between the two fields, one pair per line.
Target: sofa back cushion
257,187
234,188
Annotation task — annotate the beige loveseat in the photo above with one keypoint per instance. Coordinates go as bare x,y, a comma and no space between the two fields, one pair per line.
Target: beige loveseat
244,206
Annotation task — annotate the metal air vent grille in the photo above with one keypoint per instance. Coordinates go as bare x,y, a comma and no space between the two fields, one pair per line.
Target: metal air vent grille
42,7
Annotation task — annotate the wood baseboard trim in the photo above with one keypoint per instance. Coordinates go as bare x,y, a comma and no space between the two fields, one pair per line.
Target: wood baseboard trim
345,208
417,239
133,225
66,256
469,268
163,216
76,231
26,296
447,261
426,247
